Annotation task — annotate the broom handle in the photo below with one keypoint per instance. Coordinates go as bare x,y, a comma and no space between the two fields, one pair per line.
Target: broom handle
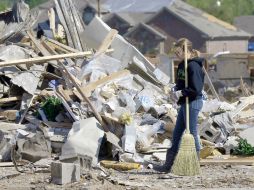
186,85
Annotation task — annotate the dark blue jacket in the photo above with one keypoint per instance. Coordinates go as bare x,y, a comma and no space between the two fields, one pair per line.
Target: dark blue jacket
195,80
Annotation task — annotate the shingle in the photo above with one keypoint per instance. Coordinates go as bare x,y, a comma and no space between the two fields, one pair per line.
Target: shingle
246,23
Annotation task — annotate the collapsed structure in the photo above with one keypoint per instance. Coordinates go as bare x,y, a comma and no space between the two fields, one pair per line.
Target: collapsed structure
96,98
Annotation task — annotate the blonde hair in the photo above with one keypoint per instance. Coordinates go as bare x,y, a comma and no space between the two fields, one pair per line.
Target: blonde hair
179,46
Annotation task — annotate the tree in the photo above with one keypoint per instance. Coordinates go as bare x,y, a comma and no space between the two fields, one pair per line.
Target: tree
228,9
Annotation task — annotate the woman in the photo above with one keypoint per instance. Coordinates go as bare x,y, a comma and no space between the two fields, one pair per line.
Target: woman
179,94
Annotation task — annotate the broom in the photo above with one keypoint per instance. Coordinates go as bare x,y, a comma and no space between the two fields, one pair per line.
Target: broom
186,162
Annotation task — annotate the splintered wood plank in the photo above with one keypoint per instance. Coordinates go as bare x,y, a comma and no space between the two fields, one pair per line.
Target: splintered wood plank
60,45
44,59
10,99
230,161
107,42
92,86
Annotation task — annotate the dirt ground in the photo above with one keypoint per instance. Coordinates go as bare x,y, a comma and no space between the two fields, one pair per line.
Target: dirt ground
212,177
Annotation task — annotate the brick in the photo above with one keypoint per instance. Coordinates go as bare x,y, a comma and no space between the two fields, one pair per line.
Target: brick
209,132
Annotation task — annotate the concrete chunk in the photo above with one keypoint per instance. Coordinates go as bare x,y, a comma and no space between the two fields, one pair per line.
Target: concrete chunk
63,173
84,139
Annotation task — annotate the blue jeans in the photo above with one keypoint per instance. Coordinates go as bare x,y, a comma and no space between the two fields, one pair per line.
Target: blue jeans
195,107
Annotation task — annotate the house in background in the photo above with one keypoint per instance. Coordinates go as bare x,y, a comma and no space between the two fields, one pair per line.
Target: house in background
231,67
123,22
146,39
175,20
246,23
207,33
117,22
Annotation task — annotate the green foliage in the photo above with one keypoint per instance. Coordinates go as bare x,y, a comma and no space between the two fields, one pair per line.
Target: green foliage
51,107
4,4
244,148
33,3
228,9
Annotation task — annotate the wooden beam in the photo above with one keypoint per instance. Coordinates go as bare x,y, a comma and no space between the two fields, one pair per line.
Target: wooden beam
92,86
67,48
64,48
10,99
211,85
52,20
8,164
106,42
10,115
230,161
37,44
39,60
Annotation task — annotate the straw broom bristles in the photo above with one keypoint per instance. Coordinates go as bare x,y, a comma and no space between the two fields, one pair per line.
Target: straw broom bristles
186,162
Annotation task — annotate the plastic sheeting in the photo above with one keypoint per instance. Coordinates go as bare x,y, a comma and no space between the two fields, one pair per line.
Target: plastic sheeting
214,105
101,66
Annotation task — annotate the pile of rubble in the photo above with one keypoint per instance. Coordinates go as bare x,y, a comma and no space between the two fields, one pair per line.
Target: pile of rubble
96,99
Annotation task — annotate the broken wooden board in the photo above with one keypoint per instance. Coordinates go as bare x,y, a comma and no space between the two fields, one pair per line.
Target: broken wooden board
92,86
67,94
211,84
64,48
60,46
244,89
8,164
64,23
10,99
44,59
249,161
106,42
10,115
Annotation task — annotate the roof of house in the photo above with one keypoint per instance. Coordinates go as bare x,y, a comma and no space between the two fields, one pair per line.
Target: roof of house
204,22
147,27
132,18
246,23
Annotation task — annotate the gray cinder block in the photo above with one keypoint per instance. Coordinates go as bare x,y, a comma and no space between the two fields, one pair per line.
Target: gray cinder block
63,173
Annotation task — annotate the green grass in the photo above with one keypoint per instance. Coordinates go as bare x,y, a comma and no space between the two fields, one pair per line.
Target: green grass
4,4
33,3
